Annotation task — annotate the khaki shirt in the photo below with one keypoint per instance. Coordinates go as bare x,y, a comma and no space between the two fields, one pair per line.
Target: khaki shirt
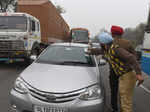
125,44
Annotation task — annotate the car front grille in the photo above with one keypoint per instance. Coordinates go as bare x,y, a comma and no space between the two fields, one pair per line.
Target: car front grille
11,45
55,97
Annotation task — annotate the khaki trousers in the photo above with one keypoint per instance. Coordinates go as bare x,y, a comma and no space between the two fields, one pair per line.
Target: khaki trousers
126,88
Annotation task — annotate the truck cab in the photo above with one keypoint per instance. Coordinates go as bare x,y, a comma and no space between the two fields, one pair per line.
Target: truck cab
20,35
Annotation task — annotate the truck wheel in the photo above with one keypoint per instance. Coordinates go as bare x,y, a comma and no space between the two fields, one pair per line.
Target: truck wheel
27,61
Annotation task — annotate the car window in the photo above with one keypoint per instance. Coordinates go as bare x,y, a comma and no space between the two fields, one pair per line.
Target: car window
66,55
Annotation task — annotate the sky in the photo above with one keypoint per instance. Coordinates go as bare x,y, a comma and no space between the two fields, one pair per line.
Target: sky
97,14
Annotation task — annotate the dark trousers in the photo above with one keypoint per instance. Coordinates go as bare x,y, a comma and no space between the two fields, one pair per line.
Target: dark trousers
113,81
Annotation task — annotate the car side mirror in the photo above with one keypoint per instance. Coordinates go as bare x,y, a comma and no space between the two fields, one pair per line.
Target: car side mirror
33,57
102,62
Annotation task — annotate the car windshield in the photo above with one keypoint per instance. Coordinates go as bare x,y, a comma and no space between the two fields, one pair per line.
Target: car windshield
66,55
13,23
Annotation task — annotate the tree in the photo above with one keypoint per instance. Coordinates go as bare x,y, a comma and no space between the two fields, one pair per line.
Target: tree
103,30
135,35
8,5
60,9
140,29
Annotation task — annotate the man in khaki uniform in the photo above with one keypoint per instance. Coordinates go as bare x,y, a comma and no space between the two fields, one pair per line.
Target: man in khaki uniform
125,66
117,33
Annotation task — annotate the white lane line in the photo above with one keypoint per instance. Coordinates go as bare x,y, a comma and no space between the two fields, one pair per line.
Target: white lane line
146,89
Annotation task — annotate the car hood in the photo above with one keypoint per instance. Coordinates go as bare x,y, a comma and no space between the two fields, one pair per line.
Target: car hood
59,78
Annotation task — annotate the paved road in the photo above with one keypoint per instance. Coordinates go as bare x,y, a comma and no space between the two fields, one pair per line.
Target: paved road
141,94
9,72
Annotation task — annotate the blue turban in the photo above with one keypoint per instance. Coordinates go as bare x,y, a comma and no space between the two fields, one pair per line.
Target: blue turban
105,38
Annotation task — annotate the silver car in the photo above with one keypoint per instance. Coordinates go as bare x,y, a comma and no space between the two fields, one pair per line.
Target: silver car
64,78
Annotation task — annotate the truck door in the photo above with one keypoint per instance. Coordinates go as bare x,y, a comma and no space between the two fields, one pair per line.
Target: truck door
34,33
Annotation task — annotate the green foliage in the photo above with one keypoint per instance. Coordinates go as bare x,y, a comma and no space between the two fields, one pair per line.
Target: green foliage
60,9
135,35
8,5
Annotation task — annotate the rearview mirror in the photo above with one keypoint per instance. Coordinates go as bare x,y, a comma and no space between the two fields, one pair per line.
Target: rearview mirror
102,62
33,57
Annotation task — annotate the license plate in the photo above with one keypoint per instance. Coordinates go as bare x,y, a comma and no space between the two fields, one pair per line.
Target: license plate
48,109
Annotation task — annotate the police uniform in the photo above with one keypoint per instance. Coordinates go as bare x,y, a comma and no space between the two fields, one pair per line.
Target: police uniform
113,78
122,63
124,66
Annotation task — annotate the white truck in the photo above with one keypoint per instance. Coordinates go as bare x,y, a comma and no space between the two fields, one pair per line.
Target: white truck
20,36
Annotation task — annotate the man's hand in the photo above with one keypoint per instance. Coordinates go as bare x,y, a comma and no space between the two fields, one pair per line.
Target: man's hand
140,79
88,51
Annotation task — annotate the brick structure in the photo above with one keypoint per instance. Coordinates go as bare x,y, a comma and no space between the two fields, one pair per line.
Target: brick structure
53,26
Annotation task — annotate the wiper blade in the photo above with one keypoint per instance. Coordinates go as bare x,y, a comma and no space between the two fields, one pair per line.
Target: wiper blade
73,62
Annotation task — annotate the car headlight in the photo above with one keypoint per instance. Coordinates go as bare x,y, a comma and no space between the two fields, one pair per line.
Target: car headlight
20,87
92,93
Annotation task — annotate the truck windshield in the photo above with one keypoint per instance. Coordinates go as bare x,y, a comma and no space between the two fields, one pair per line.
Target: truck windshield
80,35
13,23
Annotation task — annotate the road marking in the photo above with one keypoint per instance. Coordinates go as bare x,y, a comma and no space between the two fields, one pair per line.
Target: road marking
146,89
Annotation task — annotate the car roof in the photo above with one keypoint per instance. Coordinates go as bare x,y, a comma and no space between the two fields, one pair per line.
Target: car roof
71,44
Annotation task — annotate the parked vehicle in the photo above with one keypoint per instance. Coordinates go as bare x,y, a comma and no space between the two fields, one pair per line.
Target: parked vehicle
20,36
62,79
145,60
79,35
28,32
95,45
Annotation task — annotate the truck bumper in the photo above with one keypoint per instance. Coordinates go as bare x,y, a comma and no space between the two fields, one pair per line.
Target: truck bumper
13,55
